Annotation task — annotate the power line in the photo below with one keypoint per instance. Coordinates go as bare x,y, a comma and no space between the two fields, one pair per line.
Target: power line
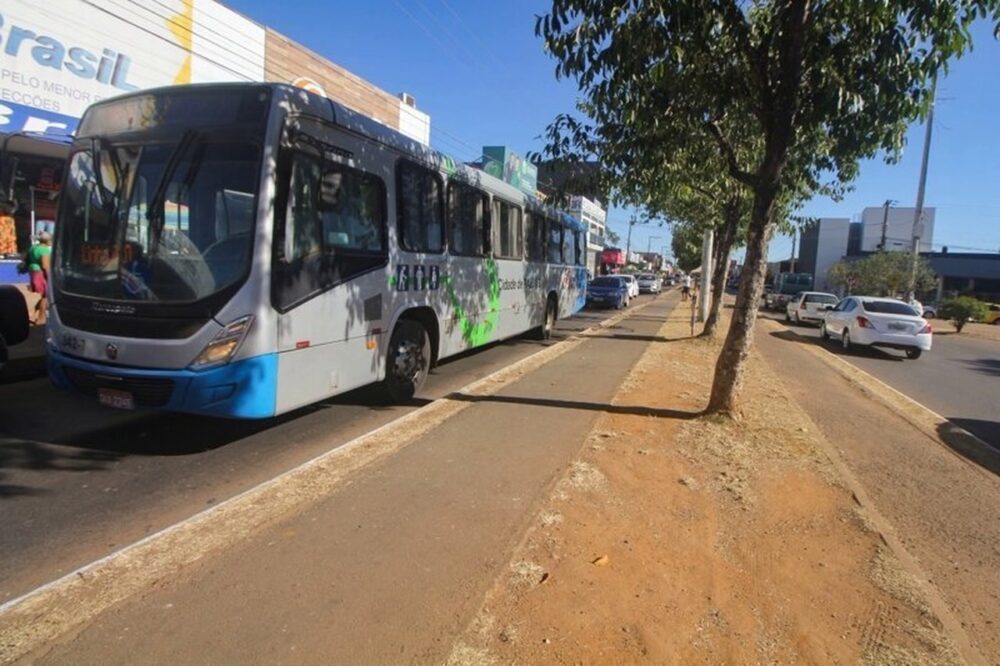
444,28
430,34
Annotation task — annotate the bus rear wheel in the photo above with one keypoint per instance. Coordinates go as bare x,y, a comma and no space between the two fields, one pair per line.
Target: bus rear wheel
408,361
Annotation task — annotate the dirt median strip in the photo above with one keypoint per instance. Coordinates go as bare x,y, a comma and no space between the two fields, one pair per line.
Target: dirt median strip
690,539
971,450
56,608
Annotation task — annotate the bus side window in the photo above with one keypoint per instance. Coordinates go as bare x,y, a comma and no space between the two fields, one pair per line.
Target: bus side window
467,220
302,216
351,202
568,246
579,253
421,227
536,237
555,241
507,237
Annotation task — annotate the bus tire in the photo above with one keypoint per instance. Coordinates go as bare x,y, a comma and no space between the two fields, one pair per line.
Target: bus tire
408,361
544,332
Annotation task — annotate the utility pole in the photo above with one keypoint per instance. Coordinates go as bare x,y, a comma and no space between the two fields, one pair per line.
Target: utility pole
628,238
885,222
791,269
918,212
705,288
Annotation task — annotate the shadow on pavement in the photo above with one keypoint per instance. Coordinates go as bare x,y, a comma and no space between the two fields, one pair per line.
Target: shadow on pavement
636,410
971,449
641,338
987,366
855,351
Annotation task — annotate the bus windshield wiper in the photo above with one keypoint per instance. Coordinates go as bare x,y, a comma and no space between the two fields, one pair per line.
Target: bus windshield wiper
154,207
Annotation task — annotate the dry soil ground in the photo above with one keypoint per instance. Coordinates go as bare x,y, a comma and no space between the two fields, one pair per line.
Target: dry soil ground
675,538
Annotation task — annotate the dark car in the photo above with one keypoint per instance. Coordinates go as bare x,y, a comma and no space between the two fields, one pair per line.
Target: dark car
608,291
13,320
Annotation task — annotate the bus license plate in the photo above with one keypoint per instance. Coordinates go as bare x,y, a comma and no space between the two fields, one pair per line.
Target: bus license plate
116,399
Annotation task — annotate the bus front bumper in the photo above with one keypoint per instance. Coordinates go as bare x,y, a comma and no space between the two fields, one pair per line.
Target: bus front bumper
242,389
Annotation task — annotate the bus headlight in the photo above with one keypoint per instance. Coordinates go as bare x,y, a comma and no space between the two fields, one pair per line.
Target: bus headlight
222,347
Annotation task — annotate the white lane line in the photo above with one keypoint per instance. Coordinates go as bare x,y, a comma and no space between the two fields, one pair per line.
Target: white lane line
41,615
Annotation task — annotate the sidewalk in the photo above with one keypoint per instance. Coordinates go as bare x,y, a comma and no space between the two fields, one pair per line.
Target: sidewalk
583,512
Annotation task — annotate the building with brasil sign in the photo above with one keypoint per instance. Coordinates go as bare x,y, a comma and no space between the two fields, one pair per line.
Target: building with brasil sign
56,59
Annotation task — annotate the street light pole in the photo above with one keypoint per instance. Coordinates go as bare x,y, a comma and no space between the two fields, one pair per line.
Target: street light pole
918,213
885,221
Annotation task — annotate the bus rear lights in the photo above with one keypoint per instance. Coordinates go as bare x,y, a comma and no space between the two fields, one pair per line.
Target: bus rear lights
224,345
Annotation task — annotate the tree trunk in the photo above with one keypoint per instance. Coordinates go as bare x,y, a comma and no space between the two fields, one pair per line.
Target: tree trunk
731,364
720,261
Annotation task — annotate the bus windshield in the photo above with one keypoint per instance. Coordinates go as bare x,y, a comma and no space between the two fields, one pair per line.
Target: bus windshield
170,221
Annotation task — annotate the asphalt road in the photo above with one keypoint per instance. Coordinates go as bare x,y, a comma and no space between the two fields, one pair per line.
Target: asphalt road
78,480
959,378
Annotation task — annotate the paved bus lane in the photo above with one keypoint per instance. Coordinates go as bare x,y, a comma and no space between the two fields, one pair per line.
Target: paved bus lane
418,532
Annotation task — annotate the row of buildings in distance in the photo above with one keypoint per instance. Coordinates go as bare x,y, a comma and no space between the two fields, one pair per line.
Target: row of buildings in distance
828,240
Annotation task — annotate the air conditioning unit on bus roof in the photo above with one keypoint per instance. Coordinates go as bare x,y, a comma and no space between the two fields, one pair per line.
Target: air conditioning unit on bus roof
408,99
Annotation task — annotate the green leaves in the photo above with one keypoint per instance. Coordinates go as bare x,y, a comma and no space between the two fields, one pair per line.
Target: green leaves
882,274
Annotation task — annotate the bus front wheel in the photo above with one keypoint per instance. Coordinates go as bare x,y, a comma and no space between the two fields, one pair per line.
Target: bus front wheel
408,361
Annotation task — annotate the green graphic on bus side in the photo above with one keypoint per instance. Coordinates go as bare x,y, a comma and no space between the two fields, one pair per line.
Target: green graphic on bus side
478,334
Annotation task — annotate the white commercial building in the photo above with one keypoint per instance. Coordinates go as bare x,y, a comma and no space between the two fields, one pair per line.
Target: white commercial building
823,245
595,217
895,226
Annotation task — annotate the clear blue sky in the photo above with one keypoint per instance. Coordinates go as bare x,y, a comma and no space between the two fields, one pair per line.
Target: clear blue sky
479,71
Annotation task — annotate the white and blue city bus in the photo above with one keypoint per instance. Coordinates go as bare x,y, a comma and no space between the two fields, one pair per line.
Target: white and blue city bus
242,250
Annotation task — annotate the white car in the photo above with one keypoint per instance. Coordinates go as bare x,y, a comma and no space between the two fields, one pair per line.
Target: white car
633,285
877,322
809,306
648,283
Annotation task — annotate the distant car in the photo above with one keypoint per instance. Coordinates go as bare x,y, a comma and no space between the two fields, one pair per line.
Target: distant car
649,283
13,320
809,306
608,291
929,311
633,284
993,316
877,322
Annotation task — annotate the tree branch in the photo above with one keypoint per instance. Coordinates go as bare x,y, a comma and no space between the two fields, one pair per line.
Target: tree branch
729,155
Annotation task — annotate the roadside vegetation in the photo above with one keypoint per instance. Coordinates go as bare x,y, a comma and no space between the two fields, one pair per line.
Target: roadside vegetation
882,274
732,116
961,310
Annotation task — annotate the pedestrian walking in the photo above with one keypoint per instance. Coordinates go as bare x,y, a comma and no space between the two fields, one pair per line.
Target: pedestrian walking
38,259
685,287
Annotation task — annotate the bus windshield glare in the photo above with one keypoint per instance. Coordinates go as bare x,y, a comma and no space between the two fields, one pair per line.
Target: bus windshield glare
159,202
170,221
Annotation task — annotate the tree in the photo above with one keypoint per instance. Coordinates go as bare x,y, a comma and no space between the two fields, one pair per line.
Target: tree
962,309
820,84
685,245
613,238
882,274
